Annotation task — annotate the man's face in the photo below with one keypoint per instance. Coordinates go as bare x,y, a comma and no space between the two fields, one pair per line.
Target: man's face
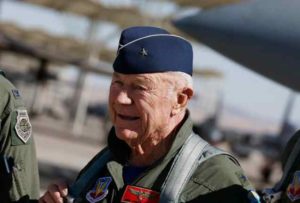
140,106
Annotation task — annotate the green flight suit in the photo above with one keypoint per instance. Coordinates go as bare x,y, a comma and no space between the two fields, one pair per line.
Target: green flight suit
216,180
291,192
19,180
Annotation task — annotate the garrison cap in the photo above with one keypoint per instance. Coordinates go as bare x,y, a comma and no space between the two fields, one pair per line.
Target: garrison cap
146,49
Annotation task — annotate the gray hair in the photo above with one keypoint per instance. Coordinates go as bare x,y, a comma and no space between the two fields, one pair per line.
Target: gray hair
179,79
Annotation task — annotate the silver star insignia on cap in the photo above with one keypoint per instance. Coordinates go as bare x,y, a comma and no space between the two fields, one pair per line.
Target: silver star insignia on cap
144,52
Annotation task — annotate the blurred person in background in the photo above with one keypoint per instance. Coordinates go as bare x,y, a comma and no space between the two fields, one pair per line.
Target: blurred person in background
152,153
287,189
19,179
291,169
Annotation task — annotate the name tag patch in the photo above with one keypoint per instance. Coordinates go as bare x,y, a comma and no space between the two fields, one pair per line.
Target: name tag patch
138,194
293,190
23,126
99,191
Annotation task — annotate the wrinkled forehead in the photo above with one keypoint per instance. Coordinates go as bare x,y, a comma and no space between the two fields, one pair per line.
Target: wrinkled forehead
145,78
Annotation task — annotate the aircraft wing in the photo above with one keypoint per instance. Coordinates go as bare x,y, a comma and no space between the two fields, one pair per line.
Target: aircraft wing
263,35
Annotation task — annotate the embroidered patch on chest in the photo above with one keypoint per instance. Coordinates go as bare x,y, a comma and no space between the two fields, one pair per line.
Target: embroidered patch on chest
141,195
99,191
23,126
293,190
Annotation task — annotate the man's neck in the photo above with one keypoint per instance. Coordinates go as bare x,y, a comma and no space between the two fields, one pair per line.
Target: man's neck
148,155
149,152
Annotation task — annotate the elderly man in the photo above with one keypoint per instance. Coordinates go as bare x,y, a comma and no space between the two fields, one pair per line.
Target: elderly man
19,178
152,154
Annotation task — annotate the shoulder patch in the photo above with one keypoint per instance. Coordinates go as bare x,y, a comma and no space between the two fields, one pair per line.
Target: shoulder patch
242,178
16,93
23,126
293,190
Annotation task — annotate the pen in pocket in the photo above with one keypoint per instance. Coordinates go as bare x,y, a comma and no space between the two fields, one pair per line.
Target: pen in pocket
6,164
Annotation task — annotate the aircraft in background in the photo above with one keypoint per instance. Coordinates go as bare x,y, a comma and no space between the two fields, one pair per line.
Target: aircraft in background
264,36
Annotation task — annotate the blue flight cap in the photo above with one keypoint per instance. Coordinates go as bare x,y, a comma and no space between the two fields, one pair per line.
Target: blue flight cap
150,50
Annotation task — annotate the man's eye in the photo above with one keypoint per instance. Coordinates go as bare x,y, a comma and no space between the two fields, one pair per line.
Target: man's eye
117,82
142,88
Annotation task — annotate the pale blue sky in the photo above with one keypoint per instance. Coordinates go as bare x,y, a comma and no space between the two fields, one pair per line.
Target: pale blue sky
242,88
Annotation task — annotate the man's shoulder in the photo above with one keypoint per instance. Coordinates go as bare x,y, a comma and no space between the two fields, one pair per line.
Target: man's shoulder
5,84
5,87
221,171
217,174
89,173
92,161
9,94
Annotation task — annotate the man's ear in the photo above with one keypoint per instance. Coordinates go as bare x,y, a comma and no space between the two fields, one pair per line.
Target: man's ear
188,92
182,99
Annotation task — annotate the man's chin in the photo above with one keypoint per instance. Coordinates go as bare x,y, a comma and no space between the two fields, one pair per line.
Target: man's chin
126,134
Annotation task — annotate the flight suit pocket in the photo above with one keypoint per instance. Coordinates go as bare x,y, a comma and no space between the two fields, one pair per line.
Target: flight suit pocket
194,188
18,182
21,129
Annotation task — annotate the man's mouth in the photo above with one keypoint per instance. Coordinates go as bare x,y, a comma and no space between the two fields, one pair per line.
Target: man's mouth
128,118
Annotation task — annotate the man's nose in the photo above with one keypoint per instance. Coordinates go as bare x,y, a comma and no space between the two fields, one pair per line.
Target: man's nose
123,98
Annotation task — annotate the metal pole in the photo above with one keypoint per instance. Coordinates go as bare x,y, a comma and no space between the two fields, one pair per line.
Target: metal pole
79,109
287,113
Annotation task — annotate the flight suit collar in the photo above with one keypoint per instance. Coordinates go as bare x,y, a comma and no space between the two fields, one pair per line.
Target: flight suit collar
116,171
183,133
